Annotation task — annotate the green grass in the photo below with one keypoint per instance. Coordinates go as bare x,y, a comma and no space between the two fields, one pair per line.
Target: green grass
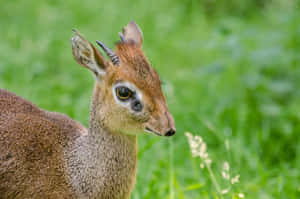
226,78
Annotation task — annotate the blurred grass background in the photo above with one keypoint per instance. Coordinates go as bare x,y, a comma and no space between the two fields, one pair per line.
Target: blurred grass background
231,72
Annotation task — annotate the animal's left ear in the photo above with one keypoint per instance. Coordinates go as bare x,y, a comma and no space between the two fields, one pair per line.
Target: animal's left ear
132,33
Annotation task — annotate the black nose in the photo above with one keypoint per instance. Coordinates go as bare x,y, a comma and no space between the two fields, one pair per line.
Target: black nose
170,132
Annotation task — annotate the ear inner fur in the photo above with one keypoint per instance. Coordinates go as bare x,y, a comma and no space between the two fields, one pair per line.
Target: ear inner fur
87,55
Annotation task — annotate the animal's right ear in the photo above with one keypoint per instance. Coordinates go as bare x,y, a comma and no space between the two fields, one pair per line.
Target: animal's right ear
87,55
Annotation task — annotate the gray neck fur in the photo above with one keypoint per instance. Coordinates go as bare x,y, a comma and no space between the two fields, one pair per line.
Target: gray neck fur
102,164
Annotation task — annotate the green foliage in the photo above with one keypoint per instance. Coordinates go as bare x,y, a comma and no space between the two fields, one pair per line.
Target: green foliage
227,77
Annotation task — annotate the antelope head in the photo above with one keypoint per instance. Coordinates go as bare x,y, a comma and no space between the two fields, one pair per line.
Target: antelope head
128,90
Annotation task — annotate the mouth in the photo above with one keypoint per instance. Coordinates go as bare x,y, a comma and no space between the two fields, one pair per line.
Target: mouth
148,130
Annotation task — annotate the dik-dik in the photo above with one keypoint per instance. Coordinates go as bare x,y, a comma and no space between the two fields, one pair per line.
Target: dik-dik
48,155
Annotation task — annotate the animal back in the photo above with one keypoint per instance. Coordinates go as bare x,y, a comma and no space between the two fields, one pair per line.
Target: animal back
32,145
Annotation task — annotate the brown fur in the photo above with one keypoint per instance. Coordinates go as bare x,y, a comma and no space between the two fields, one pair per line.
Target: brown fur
31,145
49,155
136,67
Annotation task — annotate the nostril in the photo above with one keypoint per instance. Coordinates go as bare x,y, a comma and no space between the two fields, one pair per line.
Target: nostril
170,132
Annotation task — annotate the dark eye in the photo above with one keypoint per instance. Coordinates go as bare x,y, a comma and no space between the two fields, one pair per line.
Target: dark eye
123,93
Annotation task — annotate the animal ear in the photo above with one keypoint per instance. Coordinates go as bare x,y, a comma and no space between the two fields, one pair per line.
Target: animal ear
132,33
87,55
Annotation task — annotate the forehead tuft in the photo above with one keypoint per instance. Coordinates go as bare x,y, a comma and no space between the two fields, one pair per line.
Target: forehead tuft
135,65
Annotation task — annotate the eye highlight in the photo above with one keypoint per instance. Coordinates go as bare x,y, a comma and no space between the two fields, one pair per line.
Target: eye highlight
123,93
